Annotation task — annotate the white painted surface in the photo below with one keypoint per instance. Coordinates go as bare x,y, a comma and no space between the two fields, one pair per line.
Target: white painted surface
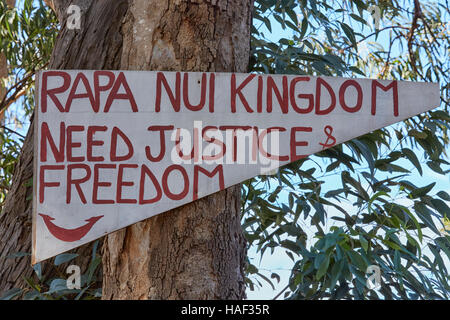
413,98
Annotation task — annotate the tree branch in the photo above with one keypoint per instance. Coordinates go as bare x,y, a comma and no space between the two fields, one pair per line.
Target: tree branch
12,131
414,25
374,33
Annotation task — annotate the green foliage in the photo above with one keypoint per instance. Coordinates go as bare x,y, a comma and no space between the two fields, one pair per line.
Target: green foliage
377,215
40,288
10,148
27,36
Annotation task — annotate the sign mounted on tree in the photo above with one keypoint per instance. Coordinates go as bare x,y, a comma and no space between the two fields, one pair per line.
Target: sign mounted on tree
116,147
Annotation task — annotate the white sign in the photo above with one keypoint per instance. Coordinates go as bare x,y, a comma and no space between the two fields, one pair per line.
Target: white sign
116,147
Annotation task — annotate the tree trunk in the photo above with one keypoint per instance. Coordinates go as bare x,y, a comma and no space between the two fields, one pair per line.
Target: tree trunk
97,45
193,252
196,251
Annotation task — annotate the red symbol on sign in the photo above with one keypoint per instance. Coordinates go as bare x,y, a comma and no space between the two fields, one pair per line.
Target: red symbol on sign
328,131
69,235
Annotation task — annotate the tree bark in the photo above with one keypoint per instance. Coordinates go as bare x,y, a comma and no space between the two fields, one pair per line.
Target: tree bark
196,251
97,45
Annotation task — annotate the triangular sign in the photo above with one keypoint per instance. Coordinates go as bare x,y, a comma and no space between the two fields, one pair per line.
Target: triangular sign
116,147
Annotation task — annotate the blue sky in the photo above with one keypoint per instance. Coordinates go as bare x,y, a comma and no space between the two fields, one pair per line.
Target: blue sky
279,262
